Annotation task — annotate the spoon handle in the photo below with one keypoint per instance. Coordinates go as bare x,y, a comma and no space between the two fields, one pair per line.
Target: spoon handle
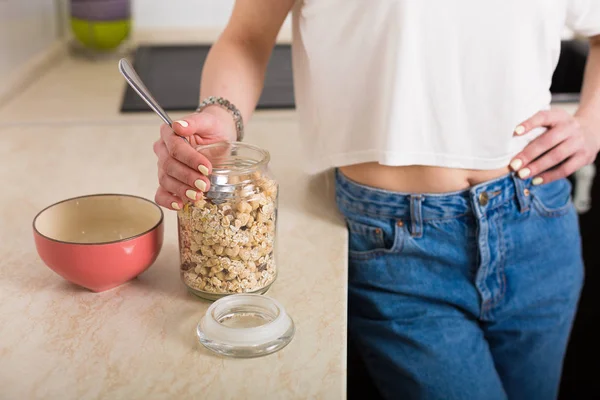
136,83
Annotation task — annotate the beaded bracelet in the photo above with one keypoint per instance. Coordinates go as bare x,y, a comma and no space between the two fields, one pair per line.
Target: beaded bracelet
226,104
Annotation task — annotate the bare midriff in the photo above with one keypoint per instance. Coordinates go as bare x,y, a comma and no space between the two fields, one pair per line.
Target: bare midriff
419,179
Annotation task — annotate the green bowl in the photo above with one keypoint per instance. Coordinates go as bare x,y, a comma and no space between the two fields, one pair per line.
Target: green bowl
101,35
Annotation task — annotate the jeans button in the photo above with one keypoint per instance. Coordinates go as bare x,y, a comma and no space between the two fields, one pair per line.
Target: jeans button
484,199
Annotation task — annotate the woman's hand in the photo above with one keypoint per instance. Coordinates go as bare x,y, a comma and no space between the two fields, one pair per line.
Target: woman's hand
182,171
569,144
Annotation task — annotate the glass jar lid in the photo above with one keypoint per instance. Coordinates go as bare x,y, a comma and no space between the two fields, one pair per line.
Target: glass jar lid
245,326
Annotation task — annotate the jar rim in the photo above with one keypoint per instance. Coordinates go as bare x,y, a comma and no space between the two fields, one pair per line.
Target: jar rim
265,157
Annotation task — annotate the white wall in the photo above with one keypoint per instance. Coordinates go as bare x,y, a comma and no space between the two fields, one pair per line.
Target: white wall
181,13
27,28
185,14
29,34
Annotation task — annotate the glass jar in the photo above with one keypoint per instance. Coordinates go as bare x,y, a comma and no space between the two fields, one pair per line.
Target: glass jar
227,237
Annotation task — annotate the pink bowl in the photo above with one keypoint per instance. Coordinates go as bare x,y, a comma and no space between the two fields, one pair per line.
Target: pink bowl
99,241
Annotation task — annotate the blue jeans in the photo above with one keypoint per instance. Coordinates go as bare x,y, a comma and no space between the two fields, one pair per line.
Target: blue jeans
465,295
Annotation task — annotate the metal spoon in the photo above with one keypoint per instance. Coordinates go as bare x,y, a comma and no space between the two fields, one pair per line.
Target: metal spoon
137,84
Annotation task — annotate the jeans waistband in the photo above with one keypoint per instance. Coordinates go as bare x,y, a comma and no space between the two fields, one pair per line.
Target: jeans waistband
353,197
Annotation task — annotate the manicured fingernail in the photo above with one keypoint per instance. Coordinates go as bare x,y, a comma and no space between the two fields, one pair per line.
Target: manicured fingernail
182,123
519,130
537,181
516,164
191,194
200,184
203,170
175,206
524,173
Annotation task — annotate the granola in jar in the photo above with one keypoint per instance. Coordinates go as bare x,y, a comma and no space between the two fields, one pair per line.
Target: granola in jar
227,238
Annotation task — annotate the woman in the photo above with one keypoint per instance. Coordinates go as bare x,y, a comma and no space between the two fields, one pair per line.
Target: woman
465,266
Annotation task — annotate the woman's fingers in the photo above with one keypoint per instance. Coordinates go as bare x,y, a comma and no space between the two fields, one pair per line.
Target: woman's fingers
550,160
561,171
167,200
194,179
543,119
178,188
557,153
540,145
182,151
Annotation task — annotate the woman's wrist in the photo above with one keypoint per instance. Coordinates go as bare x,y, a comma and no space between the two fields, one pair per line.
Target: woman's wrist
226,106
226,123
590,123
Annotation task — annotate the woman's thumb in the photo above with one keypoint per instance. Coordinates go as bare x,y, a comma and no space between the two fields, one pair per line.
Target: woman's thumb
197,123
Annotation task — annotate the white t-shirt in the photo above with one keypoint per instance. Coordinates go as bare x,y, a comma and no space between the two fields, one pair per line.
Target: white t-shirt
426,82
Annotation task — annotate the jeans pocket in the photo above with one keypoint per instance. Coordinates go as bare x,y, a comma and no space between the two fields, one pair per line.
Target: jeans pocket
552,199
369,238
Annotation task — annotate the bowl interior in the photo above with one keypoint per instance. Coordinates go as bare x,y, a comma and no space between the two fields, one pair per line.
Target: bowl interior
98,219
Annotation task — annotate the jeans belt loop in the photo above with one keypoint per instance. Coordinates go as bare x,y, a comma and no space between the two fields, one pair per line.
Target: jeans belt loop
522,193
416,216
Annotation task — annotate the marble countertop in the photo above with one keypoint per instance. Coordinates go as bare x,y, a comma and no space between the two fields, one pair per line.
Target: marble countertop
63,136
